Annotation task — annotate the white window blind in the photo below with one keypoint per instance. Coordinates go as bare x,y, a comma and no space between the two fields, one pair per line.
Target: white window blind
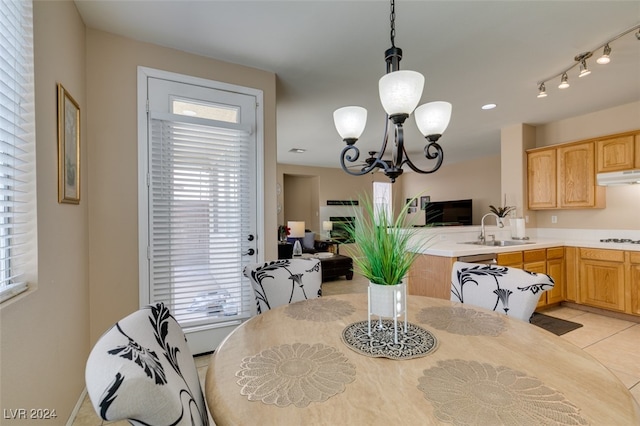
17,146
198,196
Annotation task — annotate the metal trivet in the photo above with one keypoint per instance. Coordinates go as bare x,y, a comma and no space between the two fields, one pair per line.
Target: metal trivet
415,343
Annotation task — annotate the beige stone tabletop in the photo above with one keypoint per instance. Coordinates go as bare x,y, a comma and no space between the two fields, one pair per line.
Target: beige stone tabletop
290,366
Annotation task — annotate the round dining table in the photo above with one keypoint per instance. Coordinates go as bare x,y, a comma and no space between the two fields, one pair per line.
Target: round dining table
316,363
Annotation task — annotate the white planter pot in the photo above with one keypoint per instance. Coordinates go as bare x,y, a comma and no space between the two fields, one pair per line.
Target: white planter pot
383,299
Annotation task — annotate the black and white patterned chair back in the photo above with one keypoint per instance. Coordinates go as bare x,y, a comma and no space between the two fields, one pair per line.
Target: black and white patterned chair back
511,291
142,370
285,281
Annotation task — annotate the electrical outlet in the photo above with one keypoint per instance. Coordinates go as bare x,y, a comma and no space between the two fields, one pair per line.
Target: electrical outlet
526,219
554,219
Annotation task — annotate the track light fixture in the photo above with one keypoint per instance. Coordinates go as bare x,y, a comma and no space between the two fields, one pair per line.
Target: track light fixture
581,61
604,59
564,82
400,92
542,91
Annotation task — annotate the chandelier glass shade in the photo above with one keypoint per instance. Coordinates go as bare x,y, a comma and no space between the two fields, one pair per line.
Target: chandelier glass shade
350,122
400,92
433,118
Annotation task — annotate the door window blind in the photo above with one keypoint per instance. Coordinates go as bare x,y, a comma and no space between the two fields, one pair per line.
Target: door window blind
17,136
198,202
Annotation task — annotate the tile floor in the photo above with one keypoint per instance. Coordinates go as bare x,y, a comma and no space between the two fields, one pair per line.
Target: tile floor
613,342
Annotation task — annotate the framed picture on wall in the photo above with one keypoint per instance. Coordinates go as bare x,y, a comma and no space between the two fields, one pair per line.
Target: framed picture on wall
413,207
424,200
68,148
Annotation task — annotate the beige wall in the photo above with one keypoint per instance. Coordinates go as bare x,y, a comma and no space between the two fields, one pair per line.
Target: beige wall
623,202
112,63
476,179
514,141
332,183
86,285
45,333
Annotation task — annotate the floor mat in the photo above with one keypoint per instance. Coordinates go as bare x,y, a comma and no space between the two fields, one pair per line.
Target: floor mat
555,325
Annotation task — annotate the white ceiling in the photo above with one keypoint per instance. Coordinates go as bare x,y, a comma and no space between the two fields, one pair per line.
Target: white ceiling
328,54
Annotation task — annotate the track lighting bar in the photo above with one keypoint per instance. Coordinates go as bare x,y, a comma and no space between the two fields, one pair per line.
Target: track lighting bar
581,60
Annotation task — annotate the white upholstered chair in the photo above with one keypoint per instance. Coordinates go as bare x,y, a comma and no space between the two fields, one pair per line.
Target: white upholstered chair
142,370
511,291
284,281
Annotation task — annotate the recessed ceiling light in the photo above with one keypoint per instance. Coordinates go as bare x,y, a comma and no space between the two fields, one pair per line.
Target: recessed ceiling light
489,106
297,150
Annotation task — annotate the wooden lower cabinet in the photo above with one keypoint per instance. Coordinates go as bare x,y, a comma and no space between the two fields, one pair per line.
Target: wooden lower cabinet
633,286
602,279
546,261
571,273
556,270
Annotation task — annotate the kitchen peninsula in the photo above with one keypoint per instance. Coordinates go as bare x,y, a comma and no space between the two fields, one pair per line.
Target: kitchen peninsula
592,268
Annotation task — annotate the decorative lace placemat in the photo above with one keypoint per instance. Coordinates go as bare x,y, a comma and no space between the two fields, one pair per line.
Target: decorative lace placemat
320,309
473,393
464,321
416,342
295,374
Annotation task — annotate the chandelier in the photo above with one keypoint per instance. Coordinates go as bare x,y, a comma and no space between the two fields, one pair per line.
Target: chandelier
400,92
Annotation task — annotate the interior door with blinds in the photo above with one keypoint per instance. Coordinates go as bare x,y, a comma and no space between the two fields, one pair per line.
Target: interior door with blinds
202,206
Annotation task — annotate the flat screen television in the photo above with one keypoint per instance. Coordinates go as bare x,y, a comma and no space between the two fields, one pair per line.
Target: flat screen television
449,213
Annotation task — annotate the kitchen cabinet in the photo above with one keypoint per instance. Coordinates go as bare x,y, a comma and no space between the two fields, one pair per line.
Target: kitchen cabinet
571,273
513,259
546,261
576,177
541,179
563,177
602,279
633,286
619,152
556,270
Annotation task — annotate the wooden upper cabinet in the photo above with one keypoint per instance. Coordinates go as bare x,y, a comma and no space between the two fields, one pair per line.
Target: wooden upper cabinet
576,177
618,153
541,179
637,161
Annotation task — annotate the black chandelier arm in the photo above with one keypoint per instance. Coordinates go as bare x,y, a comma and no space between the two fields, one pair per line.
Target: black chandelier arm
346,155
433,151
398,150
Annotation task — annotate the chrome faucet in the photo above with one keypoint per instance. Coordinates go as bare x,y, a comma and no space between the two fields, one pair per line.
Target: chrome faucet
499,223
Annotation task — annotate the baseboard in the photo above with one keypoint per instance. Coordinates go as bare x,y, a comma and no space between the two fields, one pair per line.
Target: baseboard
603,312
75,410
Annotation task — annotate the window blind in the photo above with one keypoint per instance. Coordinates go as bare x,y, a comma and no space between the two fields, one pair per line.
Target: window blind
17,146
198,231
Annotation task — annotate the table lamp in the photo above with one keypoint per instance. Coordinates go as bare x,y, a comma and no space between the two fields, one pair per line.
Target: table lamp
297,232
327,226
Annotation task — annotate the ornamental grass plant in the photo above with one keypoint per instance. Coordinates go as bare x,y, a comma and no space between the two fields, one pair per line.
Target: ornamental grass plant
385,247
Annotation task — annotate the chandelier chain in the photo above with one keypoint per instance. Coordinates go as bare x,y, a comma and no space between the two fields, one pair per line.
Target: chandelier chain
393,23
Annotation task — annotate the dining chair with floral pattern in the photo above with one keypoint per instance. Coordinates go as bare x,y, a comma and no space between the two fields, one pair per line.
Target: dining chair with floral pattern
142,370
511,291
284,281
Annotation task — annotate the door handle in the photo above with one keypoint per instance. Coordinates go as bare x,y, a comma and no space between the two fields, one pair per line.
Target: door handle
249,252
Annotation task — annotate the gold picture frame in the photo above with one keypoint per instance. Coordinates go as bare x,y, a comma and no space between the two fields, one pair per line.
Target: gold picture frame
68,148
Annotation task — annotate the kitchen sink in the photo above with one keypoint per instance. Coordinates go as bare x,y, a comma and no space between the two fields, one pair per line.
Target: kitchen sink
499,243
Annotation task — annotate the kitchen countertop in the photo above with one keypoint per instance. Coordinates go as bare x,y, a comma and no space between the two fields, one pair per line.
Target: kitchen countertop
447,243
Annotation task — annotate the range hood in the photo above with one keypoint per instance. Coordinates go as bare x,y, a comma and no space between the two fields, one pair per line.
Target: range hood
618,178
